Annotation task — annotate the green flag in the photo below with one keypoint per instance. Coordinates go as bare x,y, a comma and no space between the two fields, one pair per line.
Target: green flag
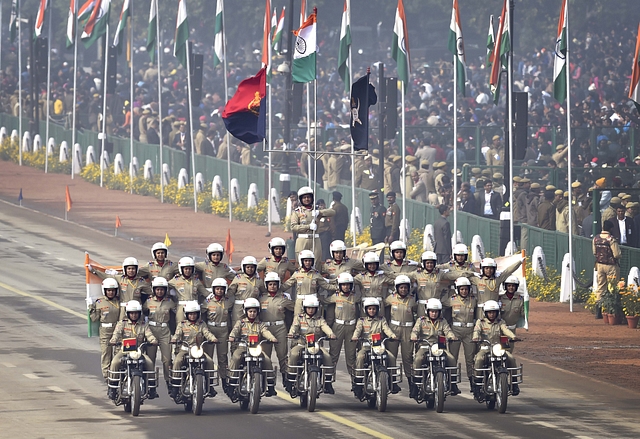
152,35
180,49
345,48
218,39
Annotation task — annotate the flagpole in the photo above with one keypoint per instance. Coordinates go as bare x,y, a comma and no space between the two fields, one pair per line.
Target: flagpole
75,84
315,151
226,99
104,103
131,171
568,75
46,156
455,146
269,169
0,35
510,107
19,25
404,173
159,52
353,161
193,156
311,176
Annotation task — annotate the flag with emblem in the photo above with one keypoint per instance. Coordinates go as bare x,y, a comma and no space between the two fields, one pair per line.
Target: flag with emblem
277,36
97,24
634,88
491,42
456,47
13,21
118,39
182,34
345,47
560,57
218,39
42,9
400,46
245,113
363,95
304,55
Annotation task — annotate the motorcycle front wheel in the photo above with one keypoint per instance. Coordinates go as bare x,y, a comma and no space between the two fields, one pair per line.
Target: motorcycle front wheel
254,393
502,392
313,391
383,391
136,397
439,392
198,396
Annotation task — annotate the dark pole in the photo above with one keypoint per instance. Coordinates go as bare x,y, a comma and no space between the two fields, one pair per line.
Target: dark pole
289,91
382,121
35,107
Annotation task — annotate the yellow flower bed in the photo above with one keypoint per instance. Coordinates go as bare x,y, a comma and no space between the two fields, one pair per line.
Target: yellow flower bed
9,151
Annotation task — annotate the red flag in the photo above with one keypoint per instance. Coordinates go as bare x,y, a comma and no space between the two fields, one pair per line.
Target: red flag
118,222
68,199
245,113
228,245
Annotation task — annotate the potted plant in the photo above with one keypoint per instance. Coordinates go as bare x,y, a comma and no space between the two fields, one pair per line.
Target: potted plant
610,301
630,302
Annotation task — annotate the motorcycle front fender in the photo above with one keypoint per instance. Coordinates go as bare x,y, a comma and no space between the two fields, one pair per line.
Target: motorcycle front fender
314,368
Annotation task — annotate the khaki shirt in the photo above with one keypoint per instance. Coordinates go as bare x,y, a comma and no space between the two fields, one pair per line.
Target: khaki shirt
193,333
244,328
347,307
429,284
393,217
105,311
331,269
402,309
376,284
303,325
302,217
426,329
273,308
130,289
463,309
485,330
372,325
407,266
244,287
217,311
489,288
270,265
127,329
152,269
208,272
159,311
307,283
511,310
188,289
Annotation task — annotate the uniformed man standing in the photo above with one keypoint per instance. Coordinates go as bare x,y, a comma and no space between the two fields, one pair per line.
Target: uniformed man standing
213,267
378,213
392,219
402,308
607,252
304,222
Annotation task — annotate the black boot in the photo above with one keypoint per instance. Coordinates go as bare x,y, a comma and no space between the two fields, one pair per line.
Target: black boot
598,311
212,392
271,391
328,388
472,385
413,391
454,389
111,393
395,388
515,389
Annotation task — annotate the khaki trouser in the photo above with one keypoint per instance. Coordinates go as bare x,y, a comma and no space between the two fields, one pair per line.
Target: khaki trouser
238,357
313,244
106,351
362,355
404,342
116,363
163,334
482,354
296,355
343,337
524,237
464,336
179,363
279,332
221,349
418,360
605,271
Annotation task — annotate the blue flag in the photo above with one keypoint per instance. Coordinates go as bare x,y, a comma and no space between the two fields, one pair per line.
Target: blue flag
20,196
363,95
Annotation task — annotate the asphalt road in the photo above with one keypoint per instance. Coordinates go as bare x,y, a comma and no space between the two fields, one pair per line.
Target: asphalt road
51,384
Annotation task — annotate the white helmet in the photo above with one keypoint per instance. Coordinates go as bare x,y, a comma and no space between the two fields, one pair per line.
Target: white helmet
370,301
512,280
488,262
462,281
272,277
345,278
133,306
310,302
305,254
428,256
110,283
158,246
219,282
491,305
402,279
213,248
276,242
460,249
251,303
185,261
434,304
337,246
191,306
305,190
397,245
159,282
370,258
129,262
248,260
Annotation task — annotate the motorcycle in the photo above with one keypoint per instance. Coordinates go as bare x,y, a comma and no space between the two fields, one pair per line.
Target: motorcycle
190,386
373,383
497,378
434,379
131,385
248,384
307,380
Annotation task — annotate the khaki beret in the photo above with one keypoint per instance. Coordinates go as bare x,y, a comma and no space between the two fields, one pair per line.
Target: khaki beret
559,147
486,172
329,143
621,195
535,185
496,137
375,152
411,158
397,158
424,162
625,197
549,187
559,192
632,204
616,200
497,176
476,170
565,194
525,180
576,184
516,179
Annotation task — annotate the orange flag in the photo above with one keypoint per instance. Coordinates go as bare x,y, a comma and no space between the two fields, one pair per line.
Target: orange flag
118,222
68,199
228,245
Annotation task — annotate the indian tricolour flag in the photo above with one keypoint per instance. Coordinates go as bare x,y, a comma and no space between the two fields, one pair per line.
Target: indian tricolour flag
44,4
277,33
71,24
118,39
304,57
456,47
491,42
634,88
400,46
182,35
94,289
97,24
345,48
560,58
218,39
152,30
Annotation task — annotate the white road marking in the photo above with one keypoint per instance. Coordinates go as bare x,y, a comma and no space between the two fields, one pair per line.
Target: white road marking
546,424
28,246
82,401
55,389
584,437
46,253
9,365
61,259
31,376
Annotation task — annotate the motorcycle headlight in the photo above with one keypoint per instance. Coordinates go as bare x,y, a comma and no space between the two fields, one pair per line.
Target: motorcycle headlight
497,350
436,351
196,351
313,349
255,351
135,355
378,350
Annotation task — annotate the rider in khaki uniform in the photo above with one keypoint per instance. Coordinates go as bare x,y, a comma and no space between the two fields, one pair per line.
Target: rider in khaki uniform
332,268
213,267
277,262
216,311
459,263
304,222
397,263
132,326
402,309
346,306
366,326
429,327
131,284
511,305
107,312
160,266
158,310
488,283
307,280
374,282
463,309
273,307
245,285
186,286
310,321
